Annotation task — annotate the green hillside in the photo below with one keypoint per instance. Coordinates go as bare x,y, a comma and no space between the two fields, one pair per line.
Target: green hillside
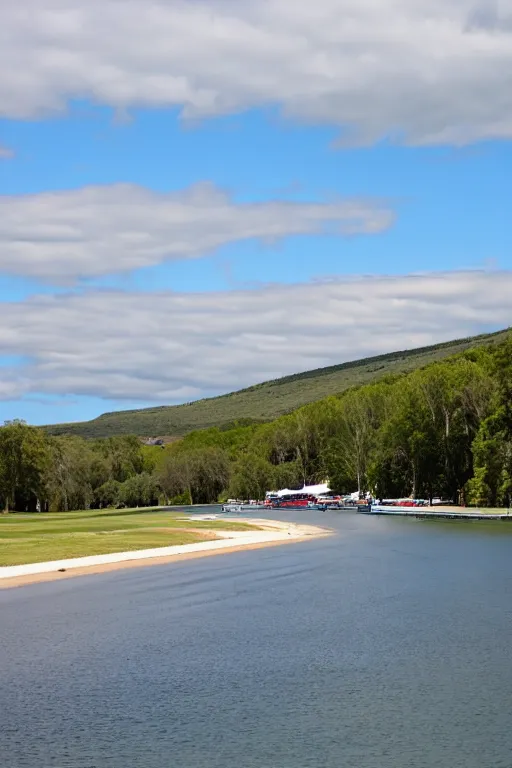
266,401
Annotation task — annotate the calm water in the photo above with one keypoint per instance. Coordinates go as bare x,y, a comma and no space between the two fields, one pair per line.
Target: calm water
386,646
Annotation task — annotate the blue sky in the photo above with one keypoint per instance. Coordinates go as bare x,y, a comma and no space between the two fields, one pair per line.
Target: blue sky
149,258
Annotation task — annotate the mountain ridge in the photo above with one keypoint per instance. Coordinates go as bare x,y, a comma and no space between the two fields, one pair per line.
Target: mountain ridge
266,400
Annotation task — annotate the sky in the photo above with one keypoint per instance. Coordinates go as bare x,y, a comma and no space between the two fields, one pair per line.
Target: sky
199,195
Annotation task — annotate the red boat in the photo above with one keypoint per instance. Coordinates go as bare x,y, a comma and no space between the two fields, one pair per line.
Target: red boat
292,501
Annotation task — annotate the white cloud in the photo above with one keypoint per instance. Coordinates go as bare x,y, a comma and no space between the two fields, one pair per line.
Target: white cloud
64,236
434,71
165,347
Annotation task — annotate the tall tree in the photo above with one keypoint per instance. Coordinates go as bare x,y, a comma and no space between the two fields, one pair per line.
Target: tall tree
24,457
492,447
69,478
252,476
347,455
202,473
408,457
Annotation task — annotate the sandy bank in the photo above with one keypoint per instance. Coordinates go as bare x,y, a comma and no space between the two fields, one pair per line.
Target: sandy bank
272,533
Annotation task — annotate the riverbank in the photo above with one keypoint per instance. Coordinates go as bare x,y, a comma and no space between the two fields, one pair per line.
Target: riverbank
266,533
31,538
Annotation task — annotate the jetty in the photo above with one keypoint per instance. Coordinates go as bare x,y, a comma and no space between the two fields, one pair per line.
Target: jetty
435,514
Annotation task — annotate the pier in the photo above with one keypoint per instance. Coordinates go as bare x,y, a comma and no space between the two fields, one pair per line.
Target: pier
433,514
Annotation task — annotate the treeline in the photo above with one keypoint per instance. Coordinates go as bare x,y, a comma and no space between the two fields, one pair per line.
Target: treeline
64,473
444,430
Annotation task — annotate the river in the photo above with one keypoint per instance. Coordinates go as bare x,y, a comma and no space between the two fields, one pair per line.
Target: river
386,645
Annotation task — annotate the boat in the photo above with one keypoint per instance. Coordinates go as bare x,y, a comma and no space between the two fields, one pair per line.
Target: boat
314,497
302,498
318,506
404,502
233,508
293,501
237,506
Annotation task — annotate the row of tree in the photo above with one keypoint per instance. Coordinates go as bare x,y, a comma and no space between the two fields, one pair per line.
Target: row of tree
444,430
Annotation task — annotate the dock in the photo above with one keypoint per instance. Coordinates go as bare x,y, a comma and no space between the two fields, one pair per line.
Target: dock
432,514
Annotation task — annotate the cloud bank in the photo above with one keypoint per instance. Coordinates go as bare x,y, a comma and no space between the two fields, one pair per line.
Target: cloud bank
93,231
165,347
425,71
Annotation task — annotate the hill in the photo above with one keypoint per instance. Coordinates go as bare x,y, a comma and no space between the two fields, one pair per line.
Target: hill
268,400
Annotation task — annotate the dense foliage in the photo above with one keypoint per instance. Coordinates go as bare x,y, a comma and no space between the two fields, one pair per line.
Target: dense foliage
444,430
269,400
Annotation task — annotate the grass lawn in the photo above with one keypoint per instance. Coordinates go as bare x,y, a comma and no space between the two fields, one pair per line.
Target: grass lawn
36,538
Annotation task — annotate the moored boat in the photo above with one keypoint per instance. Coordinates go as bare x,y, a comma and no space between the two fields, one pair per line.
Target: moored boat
293,501
238,506
304,498
233,508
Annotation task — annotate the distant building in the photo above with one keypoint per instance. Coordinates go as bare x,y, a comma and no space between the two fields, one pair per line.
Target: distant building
153,441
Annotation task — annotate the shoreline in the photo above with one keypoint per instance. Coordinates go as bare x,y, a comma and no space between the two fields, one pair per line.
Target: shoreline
272,533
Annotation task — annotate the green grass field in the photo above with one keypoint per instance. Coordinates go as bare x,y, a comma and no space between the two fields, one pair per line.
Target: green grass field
38,538
266,401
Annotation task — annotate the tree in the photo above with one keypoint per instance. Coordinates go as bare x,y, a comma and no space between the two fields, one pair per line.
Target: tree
347,455
139,491
124,456
252,476
456,394
203,473
69,474
175,476
492,451
24,457
108,494
407,459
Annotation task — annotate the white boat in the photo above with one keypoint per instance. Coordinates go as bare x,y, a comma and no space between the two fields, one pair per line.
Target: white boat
234,508
237,506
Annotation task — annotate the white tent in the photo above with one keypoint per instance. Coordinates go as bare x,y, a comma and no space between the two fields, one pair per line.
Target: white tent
316,490
355,496
285,492
312,490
